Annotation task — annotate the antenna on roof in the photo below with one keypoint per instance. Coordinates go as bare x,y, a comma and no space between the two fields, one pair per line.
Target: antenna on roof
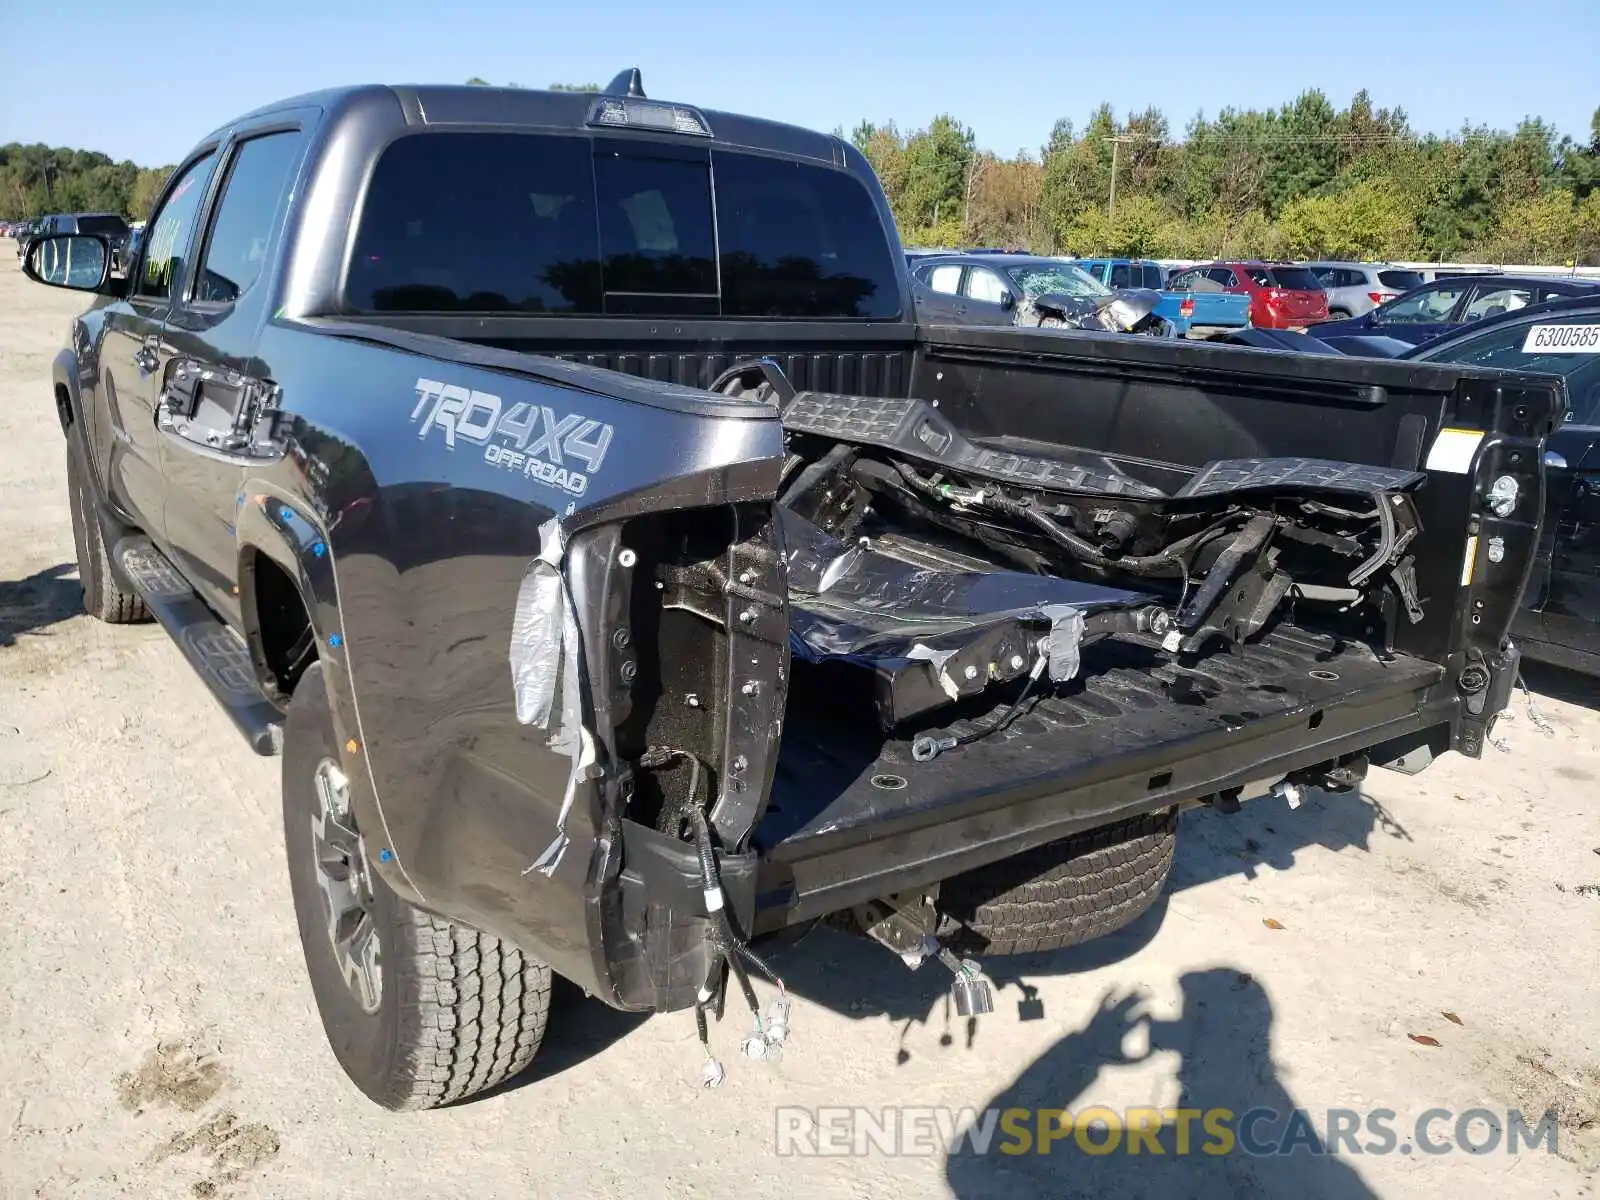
627,83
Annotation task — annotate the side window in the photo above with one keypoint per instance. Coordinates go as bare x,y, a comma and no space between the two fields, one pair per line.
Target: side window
946,279
1222,277
1152,277
1491,300
1182,282
166,237
1119,276
1259,276
985,286
657,248
1427,307
236,247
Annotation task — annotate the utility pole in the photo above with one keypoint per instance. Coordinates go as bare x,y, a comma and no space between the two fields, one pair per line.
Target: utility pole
1116,146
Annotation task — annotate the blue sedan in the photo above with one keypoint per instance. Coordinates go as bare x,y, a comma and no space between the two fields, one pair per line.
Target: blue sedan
1445,305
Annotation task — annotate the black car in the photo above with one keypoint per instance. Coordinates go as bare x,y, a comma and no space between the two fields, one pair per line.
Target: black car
1443,306
1560,617
985,288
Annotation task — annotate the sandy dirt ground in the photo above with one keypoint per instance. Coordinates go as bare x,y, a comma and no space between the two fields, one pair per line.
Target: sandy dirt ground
1432,942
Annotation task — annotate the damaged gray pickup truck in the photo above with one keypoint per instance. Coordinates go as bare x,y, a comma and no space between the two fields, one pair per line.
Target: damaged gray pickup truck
563,486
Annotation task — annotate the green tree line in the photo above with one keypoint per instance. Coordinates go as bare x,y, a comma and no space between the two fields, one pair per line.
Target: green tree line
1303,180
41,179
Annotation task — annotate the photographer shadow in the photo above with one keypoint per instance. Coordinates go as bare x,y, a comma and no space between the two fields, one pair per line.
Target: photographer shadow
847,973
1222,1038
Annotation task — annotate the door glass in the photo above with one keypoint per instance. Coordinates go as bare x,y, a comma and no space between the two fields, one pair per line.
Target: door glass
1492,300
1423,308
946,280
236,248
166,236
984,286
1119,275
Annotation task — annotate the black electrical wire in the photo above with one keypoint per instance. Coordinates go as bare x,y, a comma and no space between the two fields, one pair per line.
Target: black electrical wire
1006,717
927,747
1151,564
731,951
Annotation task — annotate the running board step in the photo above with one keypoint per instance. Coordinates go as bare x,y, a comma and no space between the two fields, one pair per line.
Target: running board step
218,655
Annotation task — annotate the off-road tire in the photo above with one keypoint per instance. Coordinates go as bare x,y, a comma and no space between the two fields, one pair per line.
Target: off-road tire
1061,893
459,1010
102,597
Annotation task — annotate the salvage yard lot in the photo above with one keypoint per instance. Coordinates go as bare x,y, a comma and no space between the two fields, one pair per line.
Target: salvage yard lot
160,1038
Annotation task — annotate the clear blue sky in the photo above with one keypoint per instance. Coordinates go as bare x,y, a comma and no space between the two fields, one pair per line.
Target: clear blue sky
143,79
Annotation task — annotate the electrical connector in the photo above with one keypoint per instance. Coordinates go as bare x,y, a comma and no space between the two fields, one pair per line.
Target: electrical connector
712,1074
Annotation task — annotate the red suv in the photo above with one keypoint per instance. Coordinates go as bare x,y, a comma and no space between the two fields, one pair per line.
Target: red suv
1282,295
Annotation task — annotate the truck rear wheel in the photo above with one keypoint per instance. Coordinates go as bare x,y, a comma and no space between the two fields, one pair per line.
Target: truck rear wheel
102,598
419,1010
1064,892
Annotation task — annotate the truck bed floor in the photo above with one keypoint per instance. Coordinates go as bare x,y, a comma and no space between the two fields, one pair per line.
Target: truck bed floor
1133,732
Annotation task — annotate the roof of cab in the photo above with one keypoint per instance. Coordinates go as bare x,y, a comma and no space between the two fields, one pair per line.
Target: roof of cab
482,107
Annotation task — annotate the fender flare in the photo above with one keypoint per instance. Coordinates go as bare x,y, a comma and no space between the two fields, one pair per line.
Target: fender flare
64,377
282,528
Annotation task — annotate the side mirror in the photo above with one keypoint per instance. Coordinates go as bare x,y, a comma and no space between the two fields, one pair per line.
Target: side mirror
80,261
1008,300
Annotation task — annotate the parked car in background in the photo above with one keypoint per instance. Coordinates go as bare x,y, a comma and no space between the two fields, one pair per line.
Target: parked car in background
1125,272
1282,295
1559,621
1444,305
1430,274
24,234
107,225
984,288
1192,314
1354,288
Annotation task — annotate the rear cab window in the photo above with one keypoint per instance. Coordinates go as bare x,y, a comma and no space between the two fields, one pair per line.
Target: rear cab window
574,225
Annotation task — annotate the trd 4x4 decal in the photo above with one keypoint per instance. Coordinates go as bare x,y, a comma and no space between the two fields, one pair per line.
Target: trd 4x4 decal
526,438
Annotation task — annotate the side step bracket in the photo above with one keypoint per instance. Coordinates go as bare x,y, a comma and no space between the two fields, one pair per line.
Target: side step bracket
217,654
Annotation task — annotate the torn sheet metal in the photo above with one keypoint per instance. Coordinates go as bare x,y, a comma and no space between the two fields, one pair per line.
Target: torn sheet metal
932,636
546,660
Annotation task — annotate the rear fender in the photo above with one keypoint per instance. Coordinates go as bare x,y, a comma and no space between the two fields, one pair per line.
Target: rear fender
440,492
